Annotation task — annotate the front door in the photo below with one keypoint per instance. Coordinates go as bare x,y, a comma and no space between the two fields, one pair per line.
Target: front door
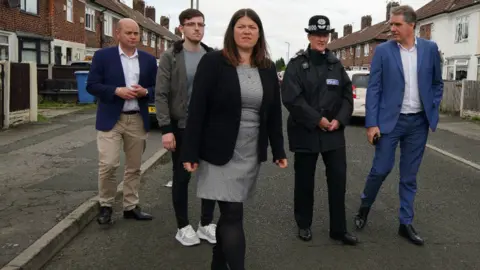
57,50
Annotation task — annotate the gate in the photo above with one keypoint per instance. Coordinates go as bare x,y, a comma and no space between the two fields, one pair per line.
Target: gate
2,87
19,86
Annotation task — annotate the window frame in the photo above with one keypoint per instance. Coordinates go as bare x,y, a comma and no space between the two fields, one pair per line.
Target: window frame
69,11
153,40
38,49
90,18
6,45
145,37
462,26
24,6
108,25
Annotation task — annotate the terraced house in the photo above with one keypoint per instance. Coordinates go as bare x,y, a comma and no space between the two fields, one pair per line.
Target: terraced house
62,31
356,49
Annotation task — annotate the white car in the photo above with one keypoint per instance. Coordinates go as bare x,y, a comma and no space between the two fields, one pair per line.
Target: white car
359,80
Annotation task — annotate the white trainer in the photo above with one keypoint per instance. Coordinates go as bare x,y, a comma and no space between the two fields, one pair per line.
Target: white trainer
207,233
187,236
169,183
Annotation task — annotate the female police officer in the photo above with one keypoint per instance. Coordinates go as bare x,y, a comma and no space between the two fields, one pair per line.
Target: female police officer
317,92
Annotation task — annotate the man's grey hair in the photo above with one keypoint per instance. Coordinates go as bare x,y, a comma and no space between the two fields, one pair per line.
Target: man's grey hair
408,13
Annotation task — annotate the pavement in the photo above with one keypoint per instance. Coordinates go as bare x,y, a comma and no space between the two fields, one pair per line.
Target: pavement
446,216
47,170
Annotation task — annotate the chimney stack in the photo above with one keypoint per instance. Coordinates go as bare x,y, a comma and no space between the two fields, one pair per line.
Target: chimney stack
139,5
391,5
366,22
347,29
165,22
177,32
150,12
334,36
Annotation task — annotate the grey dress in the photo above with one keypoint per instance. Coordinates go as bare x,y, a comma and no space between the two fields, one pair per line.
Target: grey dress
236,180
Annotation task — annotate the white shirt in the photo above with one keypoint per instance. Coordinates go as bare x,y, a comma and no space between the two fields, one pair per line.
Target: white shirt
131,71
411,99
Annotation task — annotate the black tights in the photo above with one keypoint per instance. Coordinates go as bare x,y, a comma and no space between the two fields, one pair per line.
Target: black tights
230,247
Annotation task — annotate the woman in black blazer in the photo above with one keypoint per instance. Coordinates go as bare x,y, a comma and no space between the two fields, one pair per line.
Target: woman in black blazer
234,111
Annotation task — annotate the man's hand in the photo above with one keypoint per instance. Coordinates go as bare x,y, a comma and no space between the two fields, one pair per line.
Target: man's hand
371,132
140,91
334,125
324,123
125,93
282,163
168,141
190,167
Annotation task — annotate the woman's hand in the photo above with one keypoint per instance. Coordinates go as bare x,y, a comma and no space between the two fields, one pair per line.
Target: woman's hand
282,163
190,167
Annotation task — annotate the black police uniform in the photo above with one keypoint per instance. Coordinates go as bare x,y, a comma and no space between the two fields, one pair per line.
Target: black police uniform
315,85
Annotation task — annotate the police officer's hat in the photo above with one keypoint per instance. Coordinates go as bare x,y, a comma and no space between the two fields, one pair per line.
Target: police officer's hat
319,24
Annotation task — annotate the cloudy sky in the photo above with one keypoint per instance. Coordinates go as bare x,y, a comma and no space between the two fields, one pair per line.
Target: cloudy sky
284,20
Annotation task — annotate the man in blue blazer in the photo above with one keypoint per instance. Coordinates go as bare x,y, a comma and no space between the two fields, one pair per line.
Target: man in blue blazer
403,97
123,79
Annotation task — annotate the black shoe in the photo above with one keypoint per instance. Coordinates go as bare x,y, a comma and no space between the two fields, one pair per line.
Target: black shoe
136,213
105,216
360,219
345,238
408,232
305,234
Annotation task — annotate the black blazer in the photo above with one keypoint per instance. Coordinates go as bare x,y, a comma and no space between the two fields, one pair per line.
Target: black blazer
215,110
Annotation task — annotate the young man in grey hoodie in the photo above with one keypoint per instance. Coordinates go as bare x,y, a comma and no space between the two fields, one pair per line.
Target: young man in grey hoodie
172,95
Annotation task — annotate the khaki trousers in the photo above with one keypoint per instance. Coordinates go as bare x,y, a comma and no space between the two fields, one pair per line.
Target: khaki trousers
130,132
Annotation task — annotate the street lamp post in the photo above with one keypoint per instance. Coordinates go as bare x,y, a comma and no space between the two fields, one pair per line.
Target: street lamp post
288,51
197,5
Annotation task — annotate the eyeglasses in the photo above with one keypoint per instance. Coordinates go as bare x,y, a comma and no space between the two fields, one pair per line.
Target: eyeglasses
192,24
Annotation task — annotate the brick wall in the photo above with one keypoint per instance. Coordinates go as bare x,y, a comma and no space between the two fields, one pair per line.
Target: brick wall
352,60
153,51
17,20
69,31
94,39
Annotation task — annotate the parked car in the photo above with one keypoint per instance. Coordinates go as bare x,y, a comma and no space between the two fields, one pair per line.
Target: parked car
359,80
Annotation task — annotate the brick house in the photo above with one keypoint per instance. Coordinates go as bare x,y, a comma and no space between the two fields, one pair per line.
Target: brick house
60,31
25,32
356,49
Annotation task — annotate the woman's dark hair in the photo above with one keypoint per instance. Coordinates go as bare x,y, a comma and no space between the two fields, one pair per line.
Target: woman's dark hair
260,55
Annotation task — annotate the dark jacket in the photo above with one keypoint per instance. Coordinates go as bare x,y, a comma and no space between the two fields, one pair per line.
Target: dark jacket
106,74
215,111
311,92
171,93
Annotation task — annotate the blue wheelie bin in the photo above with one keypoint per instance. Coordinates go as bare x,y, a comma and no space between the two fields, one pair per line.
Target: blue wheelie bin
83,96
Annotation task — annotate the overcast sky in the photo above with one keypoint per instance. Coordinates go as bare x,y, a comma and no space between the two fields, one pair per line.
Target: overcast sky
283,20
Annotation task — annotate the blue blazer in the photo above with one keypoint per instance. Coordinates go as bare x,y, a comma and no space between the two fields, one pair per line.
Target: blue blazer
387,84
106,74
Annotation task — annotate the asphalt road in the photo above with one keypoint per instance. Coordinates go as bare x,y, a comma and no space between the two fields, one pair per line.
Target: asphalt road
47,170
446,216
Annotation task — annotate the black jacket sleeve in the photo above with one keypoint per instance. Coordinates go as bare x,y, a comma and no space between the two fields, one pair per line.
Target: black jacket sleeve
275,121
294,100
346,108
204,80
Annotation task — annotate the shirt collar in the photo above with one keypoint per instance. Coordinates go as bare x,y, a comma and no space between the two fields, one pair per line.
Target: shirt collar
121,52
401,47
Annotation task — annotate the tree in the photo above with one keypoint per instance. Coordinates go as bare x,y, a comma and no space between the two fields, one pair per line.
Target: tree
280,64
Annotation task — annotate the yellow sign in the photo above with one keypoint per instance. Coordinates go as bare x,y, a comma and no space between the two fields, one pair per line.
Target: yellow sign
152,110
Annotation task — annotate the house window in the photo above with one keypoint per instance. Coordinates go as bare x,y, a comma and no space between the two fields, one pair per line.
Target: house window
478,68
426,31
153,39
90,19
145,38
108,25
37,51
457,70
344,54
70,10
30,6
366,49
4,48
461,29
358,51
